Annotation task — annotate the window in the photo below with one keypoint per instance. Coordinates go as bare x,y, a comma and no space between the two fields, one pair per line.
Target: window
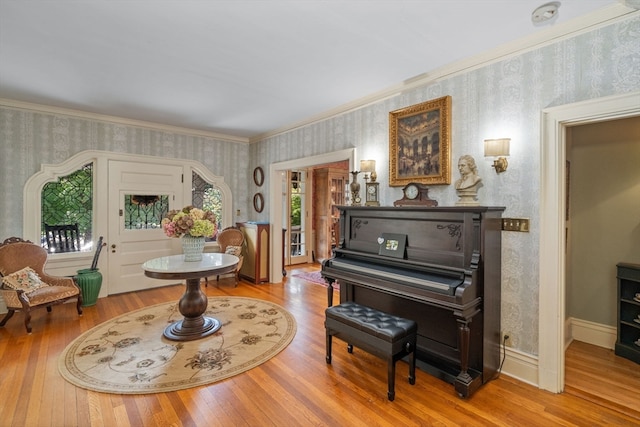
144,211
205,196
69,201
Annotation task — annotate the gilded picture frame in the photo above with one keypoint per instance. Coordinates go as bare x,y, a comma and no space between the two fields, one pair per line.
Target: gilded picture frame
420,143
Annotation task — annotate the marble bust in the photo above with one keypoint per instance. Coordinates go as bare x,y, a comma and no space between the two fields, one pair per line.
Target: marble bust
469,183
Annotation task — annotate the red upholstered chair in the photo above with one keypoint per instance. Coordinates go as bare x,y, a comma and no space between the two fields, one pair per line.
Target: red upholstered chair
25,286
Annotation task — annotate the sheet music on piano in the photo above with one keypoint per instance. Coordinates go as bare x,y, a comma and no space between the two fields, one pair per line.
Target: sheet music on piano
447,280
393,245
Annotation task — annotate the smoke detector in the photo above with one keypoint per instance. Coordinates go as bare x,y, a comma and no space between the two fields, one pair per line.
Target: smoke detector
545,14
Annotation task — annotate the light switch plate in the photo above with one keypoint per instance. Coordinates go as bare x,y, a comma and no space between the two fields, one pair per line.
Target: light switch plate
515,224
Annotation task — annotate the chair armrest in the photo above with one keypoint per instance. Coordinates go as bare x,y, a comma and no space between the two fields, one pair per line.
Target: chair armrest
11,298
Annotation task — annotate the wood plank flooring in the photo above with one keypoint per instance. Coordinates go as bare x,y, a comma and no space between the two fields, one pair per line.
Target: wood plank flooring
295,388
599,376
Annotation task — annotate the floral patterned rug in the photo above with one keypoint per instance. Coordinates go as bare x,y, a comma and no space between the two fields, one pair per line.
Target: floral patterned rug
316,277
130,355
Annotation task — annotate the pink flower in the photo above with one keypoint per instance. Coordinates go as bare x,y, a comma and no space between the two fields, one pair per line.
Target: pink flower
169,228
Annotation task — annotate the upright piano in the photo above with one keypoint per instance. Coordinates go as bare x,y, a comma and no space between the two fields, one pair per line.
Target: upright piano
439,266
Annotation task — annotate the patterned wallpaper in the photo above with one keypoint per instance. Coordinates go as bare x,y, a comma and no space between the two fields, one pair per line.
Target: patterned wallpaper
29,139
502,99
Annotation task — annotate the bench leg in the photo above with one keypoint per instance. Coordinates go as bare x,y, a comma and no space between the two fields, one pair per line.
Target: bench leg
328,357
412,363
349,348
391,374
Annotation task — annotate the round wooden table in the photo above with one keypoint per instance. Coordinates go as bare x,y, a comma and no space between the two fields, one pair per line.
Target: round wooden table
193,303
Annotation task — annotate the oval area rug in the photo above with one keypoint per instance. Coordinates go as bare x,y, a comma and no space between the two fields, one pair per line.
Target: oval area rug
129,354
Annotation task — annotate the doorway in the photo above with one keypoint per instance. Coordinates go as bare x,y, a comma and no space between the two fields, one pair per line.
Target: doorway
277,180
132,243
297,226
603,207
552,263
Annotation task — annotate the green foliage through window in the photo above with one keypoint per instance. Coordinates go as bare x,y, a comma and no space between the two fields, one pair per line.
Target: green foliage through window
206,196
296,209
68,201
144,211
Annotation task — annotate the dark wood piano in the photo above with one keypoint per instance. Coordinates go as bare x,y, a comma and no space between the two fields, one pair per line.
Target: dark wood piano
446,278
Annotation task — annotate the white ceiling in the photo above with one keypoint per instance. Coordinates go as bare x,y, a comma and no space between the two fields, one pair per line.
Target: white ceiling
245,67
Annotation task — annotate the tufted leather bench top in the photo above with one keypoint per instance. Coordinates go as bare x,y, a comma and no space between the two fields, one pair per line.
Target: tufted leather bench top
374,322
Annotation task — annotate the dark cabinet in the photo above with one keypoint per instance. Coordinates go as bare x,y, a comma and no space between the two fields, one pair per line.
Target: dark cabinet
628,342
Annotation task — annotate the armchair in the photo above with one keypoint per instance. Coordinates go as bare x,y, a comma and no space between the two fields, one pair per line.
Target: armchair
24,284
231,241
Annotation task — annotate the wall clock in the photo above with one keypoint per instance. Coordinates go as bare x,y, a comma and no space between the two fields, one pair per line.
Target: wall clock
415,194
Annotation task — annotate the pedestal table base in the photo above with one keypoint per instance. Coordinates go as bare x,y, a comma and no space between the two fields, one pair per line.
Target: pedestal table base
195,325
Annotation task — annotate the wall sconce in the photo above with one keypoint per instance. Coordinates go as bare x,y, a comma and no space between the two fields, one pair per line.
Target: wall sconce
496,148
372,188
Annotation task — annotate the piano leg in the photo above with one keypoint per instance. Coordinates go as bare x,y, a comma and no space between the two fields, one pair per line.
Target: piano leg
463,380
329,291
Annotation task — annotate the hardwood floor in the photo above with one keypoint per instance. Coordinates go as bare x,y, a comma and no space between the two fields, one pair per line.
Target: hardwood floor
294,388
599,376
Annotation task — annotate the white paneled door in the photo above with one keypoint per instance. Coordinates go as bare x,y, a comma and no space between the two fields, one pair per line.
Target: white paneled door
135,235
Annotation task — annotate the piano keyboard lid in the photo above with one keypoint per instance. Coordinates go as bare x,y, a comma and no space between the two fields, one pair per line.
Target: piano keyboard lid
442,283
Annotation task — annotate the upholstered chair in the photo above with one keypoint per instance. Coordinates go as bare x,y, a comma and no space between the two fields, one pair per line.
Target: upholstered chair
231,241
24,284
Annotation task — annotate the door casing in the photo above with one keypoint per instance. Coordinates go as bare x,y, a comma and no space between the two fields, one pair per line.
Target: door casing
69,263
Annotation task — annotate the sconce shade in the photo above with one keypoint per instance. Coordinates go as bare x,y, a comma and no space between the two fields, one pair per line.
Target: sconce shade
369,166
496,147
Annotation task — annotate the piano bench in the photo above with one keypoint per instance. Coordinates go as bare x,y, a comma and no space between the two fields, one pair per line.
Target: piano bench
381,334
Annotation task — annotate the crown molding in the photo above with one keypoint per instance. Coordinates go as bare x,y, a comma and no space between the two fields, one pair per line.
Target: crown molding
554,34
48,109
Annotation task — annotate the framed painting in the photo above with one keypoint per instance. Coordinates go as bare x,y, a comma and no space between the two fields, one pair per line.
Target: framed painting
419,143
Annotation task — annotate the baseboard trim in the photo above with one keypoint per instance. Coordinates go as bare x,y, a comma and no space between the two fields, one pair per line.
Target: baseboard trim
521,366
592,333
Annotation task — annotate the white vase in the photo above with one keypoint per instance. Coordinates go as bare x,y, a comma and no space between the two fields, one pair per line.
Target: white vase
192,247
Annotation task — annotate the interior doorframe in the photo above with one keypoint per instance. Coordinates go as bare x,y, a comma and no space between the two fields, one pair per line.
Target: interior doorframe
552,261
276,172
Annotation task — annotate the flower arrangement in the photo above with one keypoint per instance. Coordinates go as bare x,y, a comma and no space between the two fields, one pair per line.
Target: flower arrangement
189,221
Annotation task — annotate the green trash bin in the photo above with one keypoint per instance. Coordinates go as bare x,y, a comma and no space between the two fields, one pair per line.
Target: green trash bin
89,280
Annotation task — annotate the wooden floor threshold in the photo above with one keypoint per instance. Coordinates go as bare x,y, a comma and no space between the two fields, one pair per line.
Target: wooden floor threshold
594,398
